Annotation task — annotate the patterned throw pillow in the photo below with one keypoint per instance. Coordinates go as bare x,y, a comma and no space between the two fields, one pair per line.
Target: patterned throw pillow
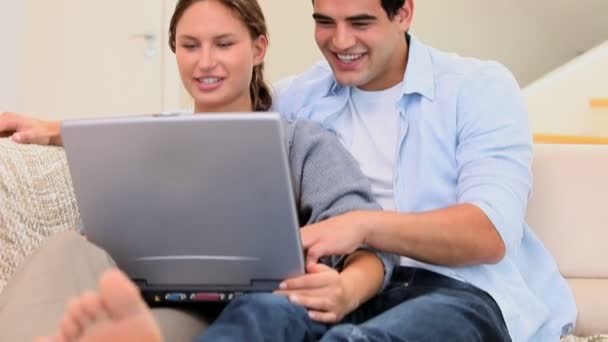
36,200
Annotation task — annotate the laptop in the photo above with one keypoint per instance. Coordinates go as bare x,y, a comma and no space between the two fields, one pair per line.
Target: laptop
193,208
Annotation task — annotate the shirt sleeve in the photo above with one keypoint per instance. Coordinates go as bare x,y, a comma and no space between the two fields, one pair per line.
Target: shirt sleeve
281,98
330,182
494,150
291,95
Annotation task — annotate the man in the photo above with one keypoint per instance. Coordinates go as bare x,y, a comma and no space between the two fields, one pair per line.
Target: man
446,143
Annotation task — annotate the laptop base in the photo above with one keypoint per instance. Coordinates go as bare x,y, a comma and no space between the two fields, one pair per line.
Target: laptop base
159,295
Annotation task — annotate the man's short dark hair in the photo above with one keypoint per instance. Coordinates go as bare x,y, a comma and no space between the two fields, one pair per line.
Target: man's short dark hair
391,7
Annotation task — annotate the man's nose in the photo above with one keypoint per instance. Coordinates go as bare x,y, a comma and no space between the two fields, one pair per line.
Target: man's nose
343,39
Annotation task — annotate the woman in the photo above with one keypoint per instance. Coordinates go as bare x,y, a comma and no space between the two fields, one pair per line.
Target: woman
220,47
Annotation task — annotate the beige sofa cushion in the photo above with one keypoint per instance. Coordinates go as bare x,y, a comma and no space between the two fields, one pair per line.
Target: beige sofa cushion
568,207
568,211
591,297
36,200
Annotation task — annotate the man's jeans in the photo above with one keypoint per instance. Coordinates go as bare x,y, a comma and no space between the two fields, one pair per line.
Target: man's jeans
418,305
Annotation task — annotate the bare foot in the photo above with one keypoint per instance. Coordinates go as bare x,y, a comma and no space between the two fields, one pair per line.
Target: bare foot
116,313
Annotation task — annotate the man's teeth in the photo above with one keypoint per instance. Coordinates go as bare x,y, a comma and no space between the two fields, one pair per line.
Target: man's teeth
349,57
209,80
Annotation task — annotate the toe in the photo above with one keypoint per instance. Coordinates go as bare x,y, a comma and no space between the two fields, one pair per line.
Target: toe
92,309
70,327
119,296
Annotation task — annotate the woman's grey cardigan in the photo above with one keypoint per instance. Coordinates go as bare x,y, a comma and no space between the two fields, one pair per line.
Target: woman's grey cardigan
327,180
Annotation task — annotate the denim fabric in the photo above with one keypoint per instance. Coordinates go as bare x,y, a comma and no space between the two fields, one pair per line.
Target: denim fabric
263,317
418,305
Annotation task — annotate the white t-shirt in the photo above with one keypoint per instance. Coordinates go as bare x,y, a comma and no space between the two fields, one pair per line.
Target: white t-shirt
371,134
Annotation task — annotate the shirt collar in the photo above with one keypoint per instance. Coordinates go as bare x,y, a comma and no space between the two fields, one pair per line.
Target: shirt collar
418,77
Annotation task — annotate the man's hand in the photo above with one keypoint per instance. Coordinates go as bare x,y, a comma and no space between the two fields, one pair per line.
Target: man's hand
339,235
322,291
27,130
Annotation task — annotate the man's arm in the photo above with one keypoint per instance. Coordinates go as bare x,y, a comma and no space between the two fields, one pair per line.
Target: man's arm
493,157
456,236
461,235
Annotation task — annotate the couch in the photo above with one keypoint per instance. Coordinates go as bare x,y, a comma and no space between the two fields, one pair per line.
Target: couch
567,211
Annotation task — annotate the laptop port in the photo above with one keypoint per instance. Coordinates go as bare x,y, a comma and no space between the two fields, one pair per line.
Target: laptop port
175,297
207,297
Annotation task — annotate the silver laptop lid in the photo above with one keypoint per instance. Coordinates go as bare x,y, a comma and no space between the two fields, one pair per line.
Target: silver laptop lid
191,200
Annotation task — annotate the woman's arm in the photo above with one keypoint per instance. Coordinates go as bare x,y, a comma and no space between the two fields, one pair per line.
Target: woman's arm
328,183
328,295
27,130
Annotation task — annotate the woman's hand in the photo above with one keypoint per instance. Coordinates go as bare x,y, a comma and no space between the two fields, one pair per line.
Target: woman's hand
27,130
322,291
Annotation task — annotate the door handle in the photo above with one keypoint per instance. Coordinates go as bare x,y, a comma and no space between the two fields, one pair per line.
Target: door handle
149,39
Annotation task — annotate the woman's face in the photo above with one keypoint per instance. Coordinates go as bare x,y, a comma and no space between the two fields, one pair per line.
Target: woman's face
215,56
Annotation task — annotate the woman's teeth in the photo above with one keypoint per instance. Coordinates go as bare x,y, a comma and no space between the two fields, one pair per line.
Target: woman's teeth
209,80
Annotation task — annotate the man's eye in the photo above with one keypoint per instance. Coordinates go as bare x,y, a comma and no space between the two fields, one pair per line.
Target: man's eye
225,44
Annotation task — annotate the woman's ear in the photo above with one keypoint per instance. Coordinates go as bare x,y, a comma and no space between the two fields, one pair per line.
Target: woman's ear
260,46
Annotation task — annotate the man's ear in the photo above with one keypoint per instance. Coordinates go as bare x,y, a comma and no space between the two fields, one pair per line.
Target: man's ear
260,47
405,14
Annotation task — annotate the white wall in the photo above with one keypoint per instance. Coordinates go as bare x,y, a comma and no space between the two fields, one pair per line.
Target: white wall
530,37
478,28
559,102
12,28
292,45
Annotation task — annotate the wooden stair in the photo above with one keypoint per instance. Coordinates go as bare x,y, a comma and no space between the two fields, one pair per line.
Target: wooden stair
546,138
598,102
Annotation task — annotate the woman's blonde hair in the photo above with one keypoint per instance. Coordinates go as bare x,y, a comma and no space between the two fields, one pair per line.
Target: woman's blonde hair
251,15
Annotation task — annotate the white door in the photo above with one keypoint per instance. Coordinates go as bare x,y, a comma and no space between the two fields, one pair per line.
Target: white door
87,58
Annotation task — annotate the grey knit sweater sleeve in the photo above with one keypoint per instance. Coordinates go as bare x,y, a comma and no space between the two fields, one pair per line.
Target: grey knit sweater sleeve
327,180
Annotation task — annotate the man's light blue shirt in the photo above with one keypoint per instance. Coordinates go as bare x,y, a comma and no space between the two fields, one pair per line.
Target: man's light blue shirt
464,138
